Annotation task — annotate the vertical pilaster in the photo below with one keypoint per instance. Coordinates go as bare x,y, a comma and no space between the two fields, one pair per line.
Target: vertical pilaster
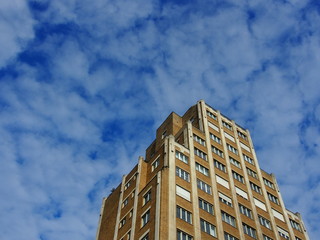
194,190
116,228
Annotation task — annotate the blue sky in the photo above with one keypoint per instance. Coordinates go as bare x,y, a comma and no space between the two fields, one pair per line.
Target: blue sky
84,85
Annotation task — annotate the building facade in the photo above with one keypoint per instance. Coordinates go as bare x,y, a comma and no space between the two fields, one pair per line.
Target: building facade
200,179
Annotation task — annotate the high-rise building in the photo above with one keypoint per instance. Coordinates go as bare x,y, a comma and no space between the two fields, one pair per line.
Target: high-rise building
200,179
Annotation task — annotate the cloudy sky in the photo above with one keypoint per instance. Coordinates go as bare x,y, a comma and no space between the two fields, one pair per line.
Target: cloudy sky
85,83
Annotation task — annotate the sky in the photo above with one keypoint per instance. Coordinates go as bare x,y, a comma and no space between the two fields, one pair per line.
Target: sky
85,84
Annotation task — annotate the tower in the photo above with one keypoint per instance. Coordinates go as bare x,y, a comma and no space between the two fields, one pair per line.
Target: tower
200,179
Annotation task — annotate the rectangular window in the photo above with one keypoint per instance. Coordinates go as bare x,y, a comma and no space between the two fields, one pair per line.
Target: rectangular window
214,127
268,183
249,231
260,204
241,193
245,211
295,225
183,174
217,151
200,154
228,218
228,236
227,125
155,164
264,222
222,181
182,157
248,159
127,185
184,215
245,147
199,140
227,135
208,228
122,222
210,114
283,233
145,237
147,197
220,166
277,215
255,188
232,149
265,237
224,199
242,135
183,193
252,173
215,138
145,218
237,176
125,202
235,162
202,169
183,236
204,186
273,198
205,206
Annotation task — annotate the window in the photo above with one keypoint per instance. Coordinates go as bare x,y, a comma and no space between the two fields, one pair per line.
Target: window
205,206
184,215
252,173
155,164
242,193
228,236
199,140
224,199
183,193
277,214
227,135
203,186
200,154
217,151
227,125
245,211
264,222
122,222
268,183
235,162
127,185
128,235
125,202
237,176
215,138
147,197
259,204
273,198
265,237
222,181
210,114
242,135
298,238
228,218
295,225
183,236
208,228
145,218
255,188
182,174
232,149
214,127
248,159
182,157
249,231
283,233
202,169
145,237
130,213
220,166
